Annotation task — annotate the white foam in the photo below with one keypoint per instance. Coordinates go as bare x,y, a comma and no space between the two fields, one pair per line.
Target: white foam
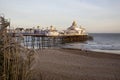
107,51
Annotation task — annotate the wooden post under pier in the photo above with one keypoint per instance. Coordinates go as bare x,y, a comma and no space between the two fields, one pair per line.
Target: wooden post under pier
41,41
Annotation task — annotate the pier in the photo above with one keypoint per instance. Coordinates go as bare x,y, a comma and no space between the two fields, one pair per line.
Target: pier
50,37
39,41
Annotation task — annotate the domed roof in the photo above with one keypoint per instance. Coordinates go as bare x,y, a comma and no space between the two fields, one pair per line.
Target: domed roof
75,30
51,28
74,23
73,26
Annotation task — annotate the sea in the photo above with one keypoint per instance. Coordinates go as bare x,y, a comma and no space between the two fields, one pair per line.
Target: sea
102,42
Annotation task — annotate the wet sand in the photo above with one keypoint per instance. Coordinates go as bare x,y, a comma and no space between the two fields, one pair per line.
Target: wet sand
71,64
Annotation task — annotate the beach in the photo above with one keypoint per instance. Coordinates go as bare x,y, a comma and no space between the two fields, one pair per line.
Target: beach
74,64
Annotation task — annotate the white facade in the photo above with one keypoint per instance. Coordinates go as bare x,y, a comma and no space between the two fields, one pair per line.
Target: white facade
51,32
75,30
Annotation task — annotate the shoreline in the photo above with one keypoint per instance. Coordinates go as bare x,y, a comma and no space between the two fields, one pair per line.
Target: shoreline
96,50
94,53
75,64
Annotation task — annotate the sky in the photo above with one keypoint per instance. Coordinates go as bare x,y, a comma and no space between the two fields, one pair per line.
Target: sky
97,16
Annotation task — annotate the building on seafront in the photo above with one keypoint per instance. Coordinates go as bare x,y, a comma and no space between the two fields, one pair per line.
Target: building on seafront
51,32
75,30
48,31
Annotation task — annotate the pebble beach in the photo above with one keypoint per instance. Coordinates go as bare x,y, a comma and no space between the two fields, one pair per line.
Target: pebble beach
74,64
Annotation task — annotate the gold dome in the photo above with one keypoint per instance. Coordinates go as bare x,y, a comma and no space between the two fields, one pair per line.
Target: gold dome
74,23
